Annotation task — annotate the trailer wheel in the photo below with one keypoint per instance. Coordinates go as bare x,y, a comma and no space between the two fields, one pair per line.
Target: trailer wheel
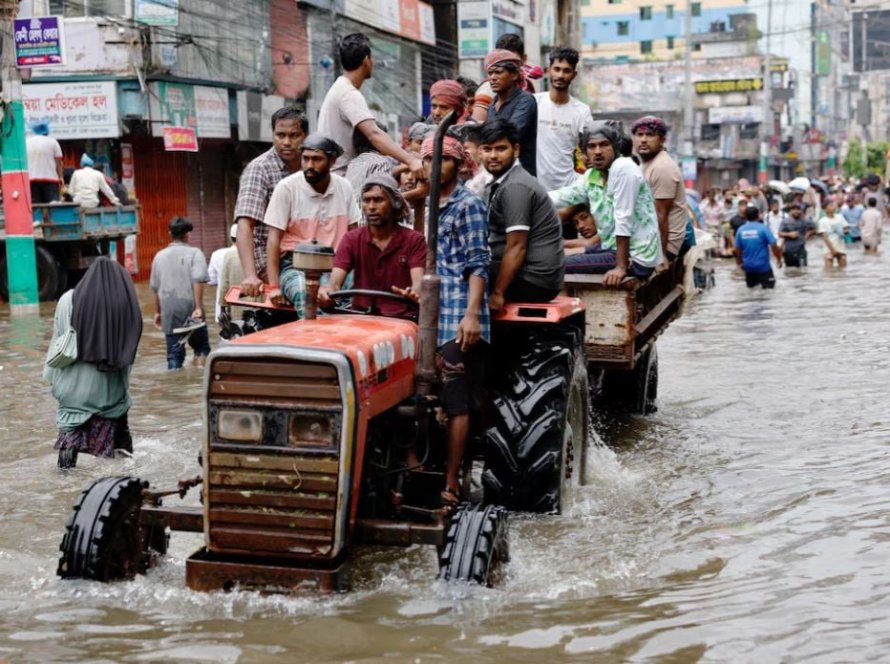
103,538
476,546
51,276
530,447
635,390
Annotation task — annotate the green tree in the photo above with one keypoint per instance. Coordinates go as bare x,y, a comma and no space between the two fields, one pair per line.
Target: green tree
877,156
854,163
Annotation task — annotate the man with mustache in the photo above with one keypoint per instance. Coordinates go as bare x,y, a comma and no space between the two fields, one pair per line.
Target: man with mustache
289,128
622,204
313,205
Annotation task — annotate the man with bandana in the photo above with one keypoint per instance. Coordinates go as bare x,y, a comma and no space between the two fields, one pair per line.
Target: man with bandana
666,182
622,204
314,205
446,96
512,103
462,261
383,254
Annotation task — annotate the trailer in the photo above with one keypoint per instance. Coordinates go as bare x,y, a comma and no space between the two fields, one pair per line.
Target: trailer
622,325
68,238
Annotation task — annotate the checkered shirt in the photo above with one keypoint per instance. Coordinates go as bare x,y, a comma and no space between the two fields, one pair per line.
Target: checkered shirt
461,252
257,182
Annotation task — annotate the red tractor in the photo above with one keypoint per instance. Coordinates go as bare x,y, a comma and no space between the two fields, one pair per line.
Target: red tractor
308,428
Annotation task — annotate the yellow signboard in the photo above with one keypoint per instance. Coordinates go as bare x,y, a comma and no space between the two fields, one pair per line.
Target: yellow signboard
729,85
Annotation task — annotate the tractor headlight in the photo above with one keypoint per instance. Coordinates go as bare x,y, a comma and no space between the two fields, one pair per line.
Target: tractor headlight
243,426
315,430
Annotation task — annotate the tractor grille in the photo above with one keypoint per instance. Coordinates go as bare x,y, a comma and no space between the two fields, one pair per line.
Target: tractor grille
276,505
273,493
275,381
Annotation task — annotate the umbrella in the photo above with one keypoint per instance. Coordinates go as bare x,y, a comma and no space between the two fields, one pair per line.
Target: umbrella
821,186
799,184
780,187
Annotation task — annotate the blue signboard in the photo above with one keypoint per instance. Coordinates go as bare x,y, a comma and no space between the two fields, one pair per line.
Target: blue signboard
39,41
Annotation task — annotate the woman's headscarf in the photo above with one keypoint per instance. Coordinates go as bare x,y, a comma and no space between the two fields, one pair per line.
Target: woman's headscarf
106,316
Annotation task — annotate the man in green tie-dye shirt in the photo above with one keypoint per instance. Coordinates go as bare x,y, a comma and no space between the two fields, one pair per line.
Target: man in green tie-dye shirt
622,205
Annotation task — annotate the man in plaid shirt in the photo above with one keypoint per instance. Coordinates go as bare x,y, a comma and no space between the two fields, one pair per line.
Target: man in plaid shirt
289,128
462,260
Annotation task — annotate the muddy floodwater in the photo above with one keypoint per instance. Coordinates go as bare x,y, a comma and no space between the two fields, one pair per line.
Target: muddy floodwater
747,520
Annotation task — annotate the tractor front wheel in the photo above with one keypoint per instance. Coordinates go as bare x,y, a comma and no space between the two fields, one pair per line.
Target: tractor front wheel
476,546
104,540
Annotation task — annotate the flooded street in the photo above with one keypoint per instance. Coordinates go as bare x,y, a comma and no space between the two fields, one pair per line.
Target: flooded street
749,518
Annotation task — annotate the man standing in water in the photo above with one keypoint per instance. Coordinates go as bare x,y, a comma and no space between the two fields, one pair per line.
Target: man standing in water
178,275
562,121
753,242
289,128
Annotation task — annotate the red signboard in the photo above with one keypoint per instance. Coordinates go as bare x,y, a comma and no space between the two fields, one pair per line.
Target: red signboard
180,139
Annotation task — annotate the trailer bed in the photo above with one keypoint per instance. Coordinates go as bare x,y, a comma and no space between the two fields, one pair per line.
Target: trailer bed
621,323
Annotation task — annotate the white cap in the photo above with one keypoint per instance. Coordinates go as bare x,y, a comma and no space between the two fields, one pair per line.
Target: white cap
233,231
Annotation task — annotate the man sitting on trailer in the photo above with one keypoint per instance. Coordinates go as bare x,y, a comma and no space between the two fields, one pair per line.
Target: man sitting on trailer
383,255
622,204
524,232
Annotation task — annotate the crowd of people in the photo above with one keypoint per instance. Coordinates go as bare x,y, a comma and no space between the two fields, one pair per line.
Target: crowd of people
531,187
752,222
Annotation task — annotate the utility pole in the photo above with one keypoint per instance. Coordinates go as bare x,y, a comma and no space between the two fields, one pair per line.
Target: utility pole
21,261
767,125
688,148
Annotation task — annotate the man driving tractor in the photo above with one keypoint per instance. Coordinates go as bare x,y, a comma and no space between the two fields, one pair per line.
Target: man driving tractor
383,255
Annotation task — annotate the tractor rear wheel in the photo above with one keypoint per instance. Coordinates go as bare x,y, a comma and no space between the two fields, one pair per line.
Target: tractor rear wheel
539,425
635,390
104,540
476,545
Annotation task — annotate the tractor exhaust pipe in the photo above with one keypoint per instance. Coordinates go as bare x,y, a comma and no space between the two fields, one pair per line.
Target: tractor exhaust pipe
425,377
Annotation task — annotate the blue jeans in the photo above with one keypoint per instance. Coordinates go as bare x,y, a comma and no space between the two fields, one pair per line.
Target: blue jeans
198,340
596,260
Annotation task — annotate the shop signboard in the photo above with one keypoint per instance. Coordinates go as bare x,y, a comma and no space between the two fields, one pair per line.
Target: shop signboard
728,86
39,41
180,139
735,114
203,109
255,115
411,19
156,12
212,111
82,109
474,29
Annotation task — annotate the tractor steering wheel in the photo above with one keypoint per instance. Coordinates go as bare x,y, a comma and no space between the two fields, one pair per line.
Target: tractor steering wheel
373,295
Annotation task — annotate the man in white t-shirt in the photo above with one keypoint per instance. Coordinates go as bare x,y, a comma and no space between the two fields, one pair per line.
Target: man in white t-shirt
44,165
344,109
562,121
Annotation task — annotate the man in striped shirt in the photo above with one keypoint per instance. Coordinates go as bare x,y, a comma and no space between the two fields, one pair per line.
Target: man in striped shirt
289,128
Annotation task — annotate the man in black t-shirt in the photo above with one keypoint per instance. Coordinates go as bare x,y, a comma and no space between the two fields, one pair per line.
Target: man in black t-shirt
737,221
524,232
795,231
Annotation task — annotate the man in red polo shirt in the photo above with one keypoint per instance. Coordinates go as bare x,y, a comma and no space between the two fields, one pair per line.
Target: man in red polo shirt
382,254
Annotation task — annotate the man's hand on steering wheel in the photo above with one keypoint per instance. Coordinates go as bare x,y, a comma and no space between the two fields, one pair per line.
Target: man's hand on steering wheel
408,293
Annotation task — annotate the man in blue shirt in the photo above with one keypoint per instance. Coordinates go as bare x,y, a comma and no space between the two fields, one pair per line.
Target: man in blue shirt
753,242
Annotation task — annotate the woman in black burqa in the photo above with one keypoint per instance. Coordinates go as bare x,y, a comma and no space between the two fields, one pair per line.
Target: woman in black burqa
93,391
